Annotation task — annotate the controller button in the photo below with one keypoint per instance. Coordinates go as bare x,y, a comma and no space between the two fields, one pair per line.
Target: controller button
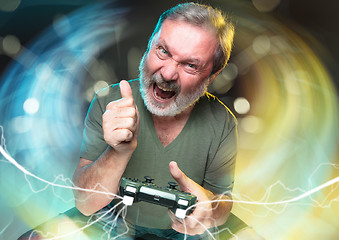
128,200
131,189
183,202
180,213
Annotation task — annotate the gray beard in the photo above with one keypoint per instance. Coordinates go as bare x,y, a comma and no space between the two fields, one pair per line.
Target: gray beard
180,103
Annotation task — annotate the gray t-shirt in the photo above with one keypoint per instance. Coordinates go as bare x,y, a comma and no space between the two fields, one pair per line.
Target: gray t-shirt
205,149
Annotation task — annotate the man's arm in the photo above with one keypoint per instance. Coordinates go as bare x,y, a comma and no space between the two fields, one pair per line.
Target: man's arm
120,127
103,176
211,210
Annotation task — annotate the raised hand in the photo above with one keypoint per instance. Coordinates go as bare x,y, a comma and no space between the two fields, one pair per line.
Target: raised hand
120,122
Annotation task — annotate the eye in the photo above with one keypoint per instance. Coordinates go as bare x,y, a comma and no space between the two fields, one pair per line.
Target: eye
163,51
192,66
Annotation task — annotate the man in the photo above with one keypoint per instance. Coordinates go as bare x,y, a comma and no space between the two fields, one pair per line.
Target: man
165,125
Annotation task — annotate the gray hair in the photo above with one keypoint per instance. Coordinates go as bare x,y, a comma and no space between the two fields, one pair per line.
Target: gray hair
206,17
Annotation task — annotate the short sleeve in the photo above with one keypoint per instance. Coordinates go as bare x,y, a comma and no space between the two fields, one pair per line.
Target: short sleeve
93,143
219,176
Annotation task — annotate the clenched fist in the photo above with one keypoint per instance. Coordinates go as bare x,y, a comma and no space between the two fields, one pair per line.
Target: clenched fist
121,121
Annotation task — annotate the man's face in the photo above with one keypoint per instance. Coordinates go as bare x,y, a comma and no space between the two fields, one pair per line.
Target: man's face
175,72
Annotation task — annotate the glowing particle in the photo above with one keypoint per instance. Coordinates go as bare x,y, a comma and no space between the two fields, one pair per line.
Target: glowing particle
241,105
230,72
251,124
99,85
224,81
61,25
11,45
21,124
265,5
261,44
9,6
31,106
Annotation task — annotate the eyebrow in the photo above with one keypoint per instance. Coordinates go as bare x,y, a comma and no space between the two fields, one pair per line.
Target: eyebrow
186,60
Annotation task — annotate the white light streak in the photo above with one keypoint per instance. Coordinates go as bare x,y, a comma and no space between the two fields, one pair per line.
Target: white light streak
22,169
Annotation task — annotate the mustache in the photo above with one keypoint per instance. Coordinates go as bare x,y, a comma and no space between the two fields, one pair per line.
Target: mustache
171,85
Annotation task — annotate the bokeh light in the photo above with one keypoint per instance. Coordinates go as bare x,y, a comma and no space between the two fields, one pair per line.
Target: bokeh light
9,6
276,83
11,45
241,105
265,5
289,135
43,105
31,105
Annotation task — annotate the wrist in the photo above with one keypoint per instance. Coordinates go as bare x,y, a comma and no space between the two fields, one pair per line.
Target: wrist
222,206
118,160
124,149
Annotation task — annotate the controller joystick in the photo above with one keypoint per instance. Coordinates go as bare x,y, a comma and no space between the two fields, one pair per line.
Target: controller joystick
148,179
179,202
172,185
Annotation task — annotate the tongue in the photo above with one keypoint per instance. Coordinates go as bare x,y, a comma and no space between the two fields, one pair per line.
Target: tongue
164,94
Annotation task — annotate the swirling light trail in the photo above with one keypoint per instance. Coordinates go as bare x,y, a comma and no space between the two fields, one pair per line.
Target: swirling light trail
288,130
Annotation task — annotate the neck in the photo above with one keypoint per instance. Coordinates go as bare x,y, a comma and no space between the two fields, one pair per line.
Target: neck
168,128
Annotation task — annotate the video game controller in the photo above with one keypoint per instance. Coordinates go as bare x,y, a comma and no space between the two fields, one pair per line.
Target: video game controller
179,202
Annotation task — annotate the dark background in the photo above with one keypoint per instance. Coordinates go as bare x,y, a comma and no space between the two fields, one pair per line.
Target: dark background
319,18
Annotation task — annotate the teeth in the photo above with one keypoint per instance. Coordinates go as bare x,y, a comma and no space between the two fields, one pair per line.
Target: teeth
164,89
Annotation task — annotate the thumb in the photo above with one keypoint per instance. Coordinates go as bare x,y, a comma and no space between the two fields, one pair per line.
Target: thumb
179,177
125,89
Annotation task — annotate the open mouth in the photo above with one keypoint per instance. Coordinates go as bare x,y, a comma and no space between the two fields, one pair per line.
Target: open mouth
162,94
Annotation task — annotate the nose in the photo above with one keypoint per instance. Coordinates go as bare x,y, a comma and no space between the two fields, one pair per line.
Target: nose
169,70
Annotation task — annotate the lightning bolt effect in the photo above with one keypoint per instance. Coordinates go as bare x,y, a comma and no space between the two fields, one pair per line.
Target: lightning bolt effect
111,211
287,168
